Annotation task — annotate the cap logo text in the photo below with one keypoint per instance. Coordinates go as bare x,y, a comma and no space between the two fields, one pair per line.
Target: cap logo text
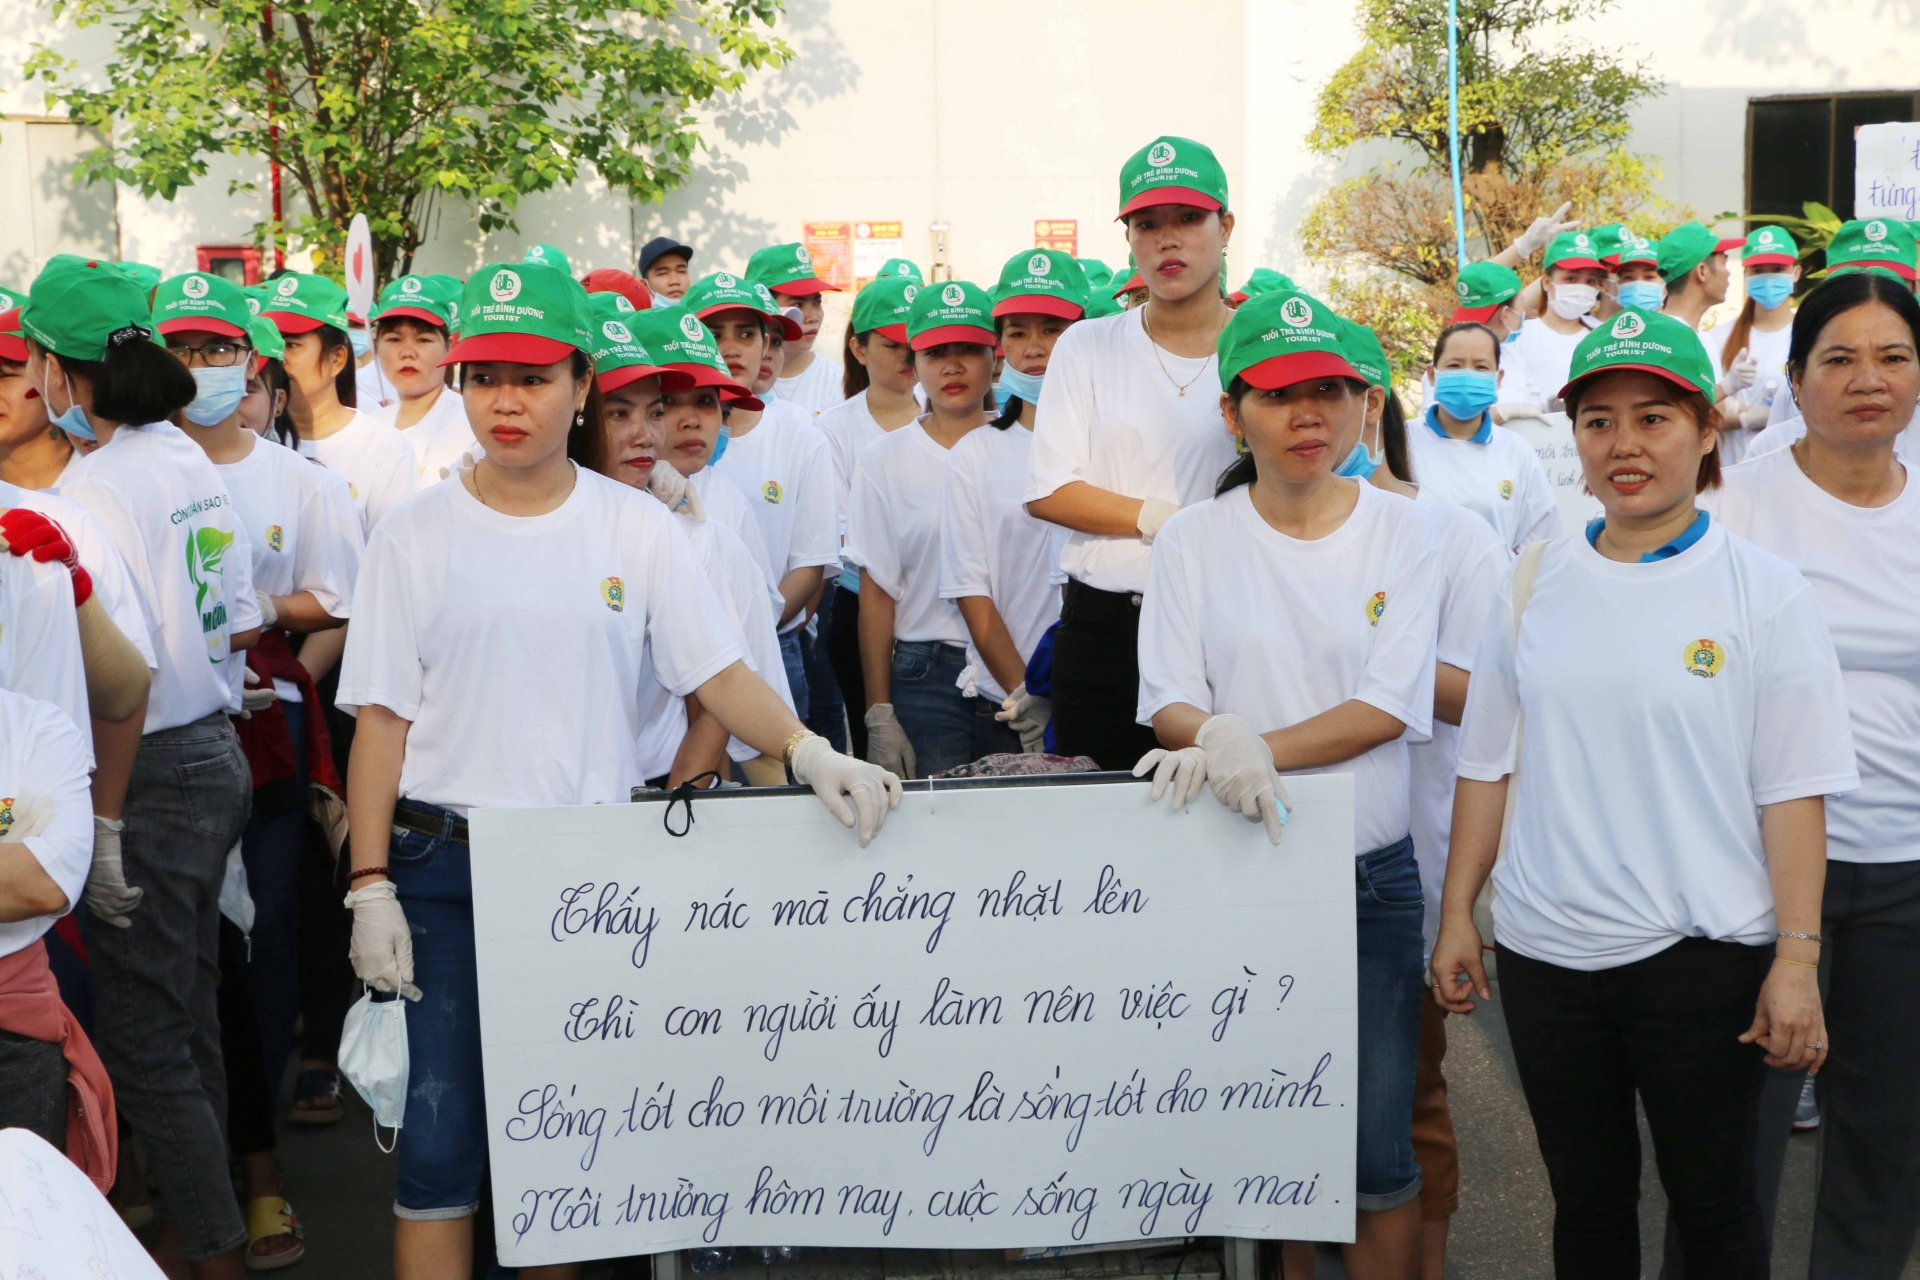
1629,325
1876,230
1039,265
1160,154
1296,312
616,332
725,281
691,326
953,295
194,286
505,285
289,286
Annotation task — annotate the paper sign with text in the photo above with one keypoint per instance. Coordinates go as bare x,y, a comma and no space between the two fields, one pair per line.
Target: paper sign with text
830,245
1886,171
1059,234
1027,1015
1551,437
873,244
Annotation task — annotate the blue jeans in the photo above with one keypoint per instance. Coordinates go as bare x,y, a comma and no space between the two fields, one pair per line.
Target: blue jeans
945,726
1388,908
272,848
796,664
826,713
443,1141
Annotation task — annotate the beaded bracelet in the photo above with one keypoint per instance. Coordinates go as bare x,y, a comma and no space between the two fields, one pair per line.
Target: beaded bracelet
1802,963
1803,937
366,871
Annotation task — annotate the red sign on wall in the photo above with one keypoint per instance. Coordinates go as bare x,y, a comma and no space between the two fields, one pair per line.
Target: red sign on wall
831,246
1059,234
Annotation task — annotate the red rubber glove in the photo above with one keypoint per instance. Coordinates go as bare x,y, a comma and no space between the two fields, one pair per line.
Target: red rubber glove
24,532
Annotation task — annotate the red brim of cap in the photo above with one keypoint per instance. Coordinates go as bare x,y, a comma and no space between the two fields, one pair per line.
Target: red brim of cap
291,322
607,280
705,375
1768,260
1038,304
1611,262
893,332
511,348
953,333
1133,282
1654,369
1474,315
1238,296
791,330
1900,269
1304,366
1579,264
200,324
614,379
411,313
803,288
13,348
1731,243
1167,195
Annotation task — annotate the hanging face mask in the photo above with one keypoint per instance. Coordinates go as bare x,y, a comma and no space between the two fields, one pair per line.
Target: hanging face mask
1643,295
221,391
1015,383
361,340
1465,393
1571,301
1360,465
373,1056
1770,291
720,445
73,419
1513,335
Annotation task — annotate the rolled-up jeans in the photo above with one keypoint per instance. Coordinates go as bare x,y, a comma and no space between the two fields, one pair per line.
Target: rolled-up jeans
158,980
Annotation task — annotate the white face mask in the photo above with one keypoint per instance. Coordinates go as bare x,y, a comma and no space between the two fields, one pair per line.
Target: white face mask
373,1056
1571,301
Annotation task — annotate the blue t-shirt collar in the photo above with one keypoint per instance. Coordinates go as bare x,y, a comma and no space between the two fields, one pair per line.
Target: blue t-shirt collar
1692,534
1484,434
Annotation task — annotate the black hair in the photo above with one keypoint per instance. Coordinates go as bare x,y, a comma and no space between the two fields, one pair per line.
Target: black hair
1242,469
1440,343
586,441
1009,413
346,386
1695,404
281,429
1393,438
138,382
854,377
1837,295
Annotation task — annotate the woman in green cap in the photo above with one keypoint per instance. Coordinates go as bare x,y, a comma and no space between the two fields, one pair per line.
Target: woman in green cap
1129,431
463,699
1751,353
1658,898
1287,626
807,379
412,330
160,862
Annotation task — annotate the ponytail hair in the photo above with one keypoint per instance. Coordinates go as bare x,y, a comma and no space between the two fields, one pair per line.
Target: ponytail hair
137,383
1009,414
1241,470
346,385
1393,438
280,430
854,377
1738,335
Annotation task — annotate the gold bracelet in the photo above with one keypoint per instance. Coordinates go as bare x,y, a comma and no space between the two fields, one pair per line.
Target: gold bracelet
786,752
1802,963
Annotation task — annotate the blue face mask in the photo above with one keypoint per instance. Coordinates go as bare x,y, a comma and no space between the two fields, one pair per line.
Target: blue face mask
1643,295
221,391
73,420
361,340
1513,335
1465,393
720,445
1360,465
1015,383
1770,291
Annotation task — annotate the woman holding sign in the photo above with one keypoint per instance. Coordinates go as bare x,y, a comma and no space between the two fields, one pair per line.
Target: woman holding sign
1658,905
502,628
1288,627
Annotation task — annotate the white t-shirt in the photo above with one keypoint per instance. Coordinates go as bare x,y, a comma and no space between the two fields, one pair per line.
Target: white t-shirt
1769,351
517,646
1789,430
43,768
1471,562
1111,414
893,531
112,586
849,429
1536,364
375,460
990,546
726,504
1864,566
1500,481
438,439
816,389
1238,617
1637,823
371,386
782,469
169,515
40,638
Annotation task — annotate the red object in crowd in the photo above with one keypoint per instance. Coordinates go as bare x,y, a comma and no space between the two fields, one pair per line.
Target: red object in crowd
13,339
29,532
613,280
30,1006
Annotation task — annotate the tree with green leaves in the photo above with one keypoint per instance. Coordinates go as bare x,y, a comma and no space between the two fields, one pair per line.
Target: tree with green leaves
391,107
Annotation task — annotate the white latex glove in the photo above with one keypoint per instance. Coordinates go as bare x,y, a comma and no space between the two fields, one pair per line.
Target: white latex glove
887,744
268,614
382,948
1503,413
1754,416
1185,771
1740,374
1027,715
1154,512
1240,767
672,488
255,696
1541,231
839,779
108,895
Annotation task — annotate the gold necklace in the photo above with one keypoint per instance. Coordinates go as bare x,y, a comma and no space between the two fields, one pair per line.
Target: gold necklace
1177,384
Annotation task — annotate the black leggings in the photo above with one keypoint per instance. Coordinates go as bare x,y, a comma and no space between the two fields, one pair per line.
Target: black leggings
249,1094
843,653
1096,677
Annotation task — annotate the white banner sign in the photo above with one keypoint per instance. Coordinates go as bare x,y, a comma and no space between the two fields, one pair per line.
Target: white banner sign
1027,1015
1886,171
1551,436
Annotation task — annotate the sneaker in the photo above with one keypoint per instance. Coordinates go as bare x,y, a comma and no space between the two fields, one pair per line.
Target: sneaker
1806,1114
709,1262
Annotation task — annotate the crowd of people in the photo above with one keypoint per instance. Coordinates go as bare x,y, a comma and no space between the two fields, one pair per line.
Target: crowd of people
290,591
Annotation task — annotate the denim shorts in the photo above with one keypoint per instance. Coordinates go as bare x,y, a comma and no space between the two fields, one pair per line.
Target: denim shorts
946,727
443,1139
1388,909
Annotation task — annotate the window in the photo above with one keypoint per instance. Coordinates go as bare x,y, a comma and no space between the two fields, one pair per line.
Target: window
1801,148
238,263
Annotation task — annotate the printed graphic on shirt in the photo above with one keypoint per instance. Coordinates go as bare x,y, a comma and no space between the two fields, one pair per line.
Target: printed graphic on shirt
275,538
1506,489
6,813
614,592
1705,658
206,551
1376,608
772,491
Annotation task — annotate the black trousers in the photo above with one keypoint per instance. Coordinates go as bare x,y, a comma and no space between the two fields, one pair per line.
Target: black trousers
843,655
1667,1028
1096,677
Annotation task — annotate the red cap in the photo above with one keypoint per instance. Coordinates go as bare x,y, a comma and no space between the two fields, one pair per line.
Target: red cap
953,333
1304,366
1168,195
414,313
1238,296
201,324
671,379
805,288
1730,242
895,332
292,322
705,375
1037,304
1585,264
1654,369
513,348
1475,315
13,343
1135,282
613,280
1900,269
1769,260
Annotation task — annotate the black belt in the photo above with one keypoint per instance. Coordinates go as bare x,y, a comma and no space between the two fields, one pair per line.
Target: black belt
427,823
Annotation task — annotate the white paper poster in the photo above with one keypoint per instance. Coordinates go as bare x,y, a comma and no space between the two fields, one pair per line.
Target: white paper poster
1886,171
1027,1015
54,1225
1551,437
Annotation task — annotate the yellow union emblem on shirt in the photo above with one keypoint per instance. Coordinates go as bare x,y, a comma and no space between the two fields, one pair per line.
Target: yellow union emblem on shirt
275,539
614,592
1506,489
1705,658
772,491
6,813
1376,608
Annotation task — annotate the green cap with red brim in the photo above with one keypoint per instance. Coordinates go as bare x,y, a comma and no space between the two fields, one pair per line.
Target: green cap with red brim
78,308
957,311
267,341
1041,282
147,277
1099,274
787,269
1647,342
1861,245
1263,280
1688,245
201,302
11,299
882,307
521,313
724,291
1770,247
1606,243
676,338
1365,353
619,354
300,303
1483,288
13,343
1172,170
1574,250
624,283
547,255
1637,248
1277,339
414,298
903,268
1126,287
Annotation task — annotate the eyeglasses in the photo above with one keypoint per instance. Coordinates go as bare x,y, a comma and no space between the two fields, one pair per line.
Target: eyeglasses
215,355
